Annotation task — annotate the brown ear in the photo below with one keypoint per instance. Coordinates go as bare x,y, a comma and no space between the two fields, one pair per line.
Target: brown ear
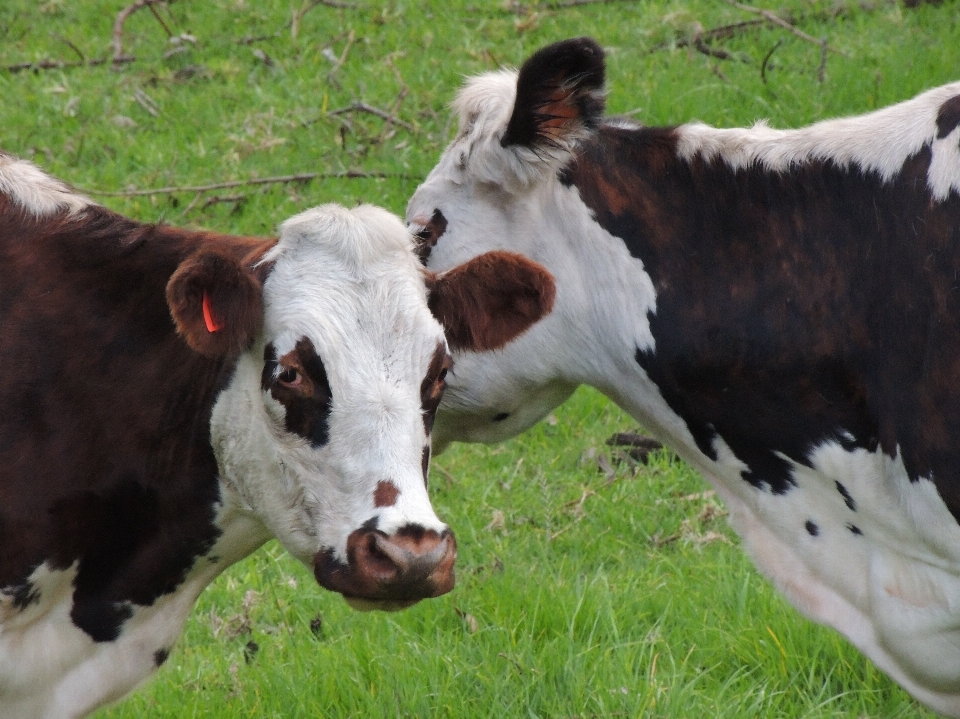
490,300
216,302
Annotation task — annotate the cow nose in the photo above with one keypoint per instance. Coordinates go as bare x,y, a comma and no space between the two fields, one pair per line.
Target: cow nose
390,572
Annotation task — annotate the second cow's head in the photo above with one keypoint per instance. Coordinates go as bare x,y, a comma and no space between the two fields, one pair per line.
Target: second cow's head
323,431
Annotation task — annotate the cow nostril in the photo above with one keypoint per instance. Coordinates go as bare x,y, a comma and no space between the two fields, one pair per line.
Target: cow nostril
409,562
377,559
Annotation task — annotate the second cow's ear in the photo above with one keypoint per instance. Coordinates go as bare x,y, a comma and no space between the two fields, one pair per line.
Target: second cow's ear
490,300
216,302
560,93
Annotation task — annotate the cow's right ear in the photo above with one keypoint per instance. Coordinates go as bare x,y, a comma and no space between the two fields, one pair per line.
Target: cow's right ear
490,300
560,95
216,302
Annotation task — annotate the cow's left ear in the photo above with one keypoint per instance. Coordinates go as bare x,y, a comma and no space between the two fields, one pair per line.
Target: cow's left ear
216,302
560,95
490,300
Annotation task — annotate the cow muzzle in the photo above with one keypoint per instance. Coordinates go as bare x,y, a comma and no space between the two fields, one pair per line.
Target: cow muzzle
390,572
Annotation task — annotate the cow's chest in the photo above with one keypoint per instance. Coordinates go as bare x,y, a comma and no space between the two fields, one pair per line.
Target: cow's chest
51,668
854,544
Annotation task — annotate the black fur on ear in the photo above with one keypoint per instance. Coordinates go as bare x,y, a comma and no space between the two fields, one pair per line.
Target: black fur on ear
560,93
216,301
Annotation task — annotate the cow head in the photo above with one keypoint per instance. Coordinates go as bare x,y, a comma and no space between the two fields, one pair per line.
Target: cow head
491,191
323,432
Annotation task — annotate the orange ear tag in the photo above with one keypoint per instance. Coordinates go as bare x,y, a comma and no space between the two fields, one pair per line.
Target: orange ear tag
212,324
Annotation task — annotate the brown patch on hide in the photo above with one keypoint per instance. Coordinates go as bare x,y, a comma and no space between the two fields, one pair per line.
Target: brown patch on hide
385,495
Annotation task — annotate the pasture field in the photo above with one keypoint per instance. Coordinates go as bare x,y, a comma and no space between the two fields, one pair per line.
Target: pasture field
587,587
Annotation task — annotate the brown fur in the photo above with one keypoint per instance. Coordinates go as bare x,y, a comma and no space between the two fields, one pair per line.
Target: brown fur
385,494
490,300
105,455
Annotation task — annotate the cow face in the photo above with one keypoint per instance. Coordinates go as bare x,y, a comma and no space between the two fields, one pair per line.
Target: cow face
323,433
490,192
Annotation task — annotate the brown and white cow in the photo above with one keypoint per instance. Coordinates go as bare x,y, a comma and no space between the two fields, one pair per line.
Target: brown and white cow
170,400
781,307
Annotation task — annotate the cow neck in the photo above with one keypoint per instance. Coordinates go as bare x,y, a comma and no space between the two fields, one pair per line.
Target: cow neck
105,457
772,293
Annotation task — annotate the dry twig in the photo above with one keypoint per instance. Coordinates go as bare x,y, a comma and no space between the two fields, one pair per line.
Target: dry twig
766,59
73,47
331,76
360,106
446,475
775,19
281,179
309,5
60,64
386,132
118,54
822,70
561,4
705,49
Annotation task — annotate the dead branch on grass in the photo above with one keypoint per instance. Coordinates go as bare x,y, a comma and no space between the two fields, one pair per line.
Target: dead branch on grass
705,49
69,44
822,70
775,19
446,475
117,43
522,9
360,106
723,32
281,179
60,64
309,5
395,109
153,10
766,60
146,102
332,75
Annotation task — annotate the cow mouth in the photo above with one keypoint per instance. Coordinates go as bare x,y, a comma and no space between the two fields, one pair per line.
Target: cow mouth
382,605
390,572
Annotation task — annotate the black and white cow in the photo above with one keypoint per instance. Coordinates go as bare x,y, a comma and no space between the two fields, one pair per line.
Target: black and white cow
170,400
781,307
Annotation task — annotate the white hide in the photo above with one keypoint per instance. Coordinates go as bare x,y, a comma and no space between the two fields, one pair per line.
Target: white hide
35,191
893,590
879,142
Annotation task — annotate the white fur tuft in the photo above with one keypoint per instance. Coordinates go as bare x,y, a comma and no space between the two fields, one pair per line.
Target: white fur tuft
485,105
878,142
35,191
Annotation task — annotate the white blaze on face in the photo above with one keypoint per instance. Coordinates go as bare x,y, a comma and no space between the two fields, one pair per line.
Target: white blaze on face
326,409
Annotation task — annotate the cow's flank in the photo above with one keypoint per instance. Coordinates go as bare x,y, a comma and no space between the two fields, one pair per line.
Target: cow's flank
779,306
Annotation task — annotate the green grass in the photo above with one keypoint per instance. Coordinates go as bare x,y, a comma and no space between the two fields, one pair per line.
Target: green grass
576,596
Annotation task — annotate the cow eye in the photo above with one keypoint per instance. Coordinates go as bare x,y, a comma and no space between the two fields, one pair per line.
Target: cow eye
443,375
290,377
